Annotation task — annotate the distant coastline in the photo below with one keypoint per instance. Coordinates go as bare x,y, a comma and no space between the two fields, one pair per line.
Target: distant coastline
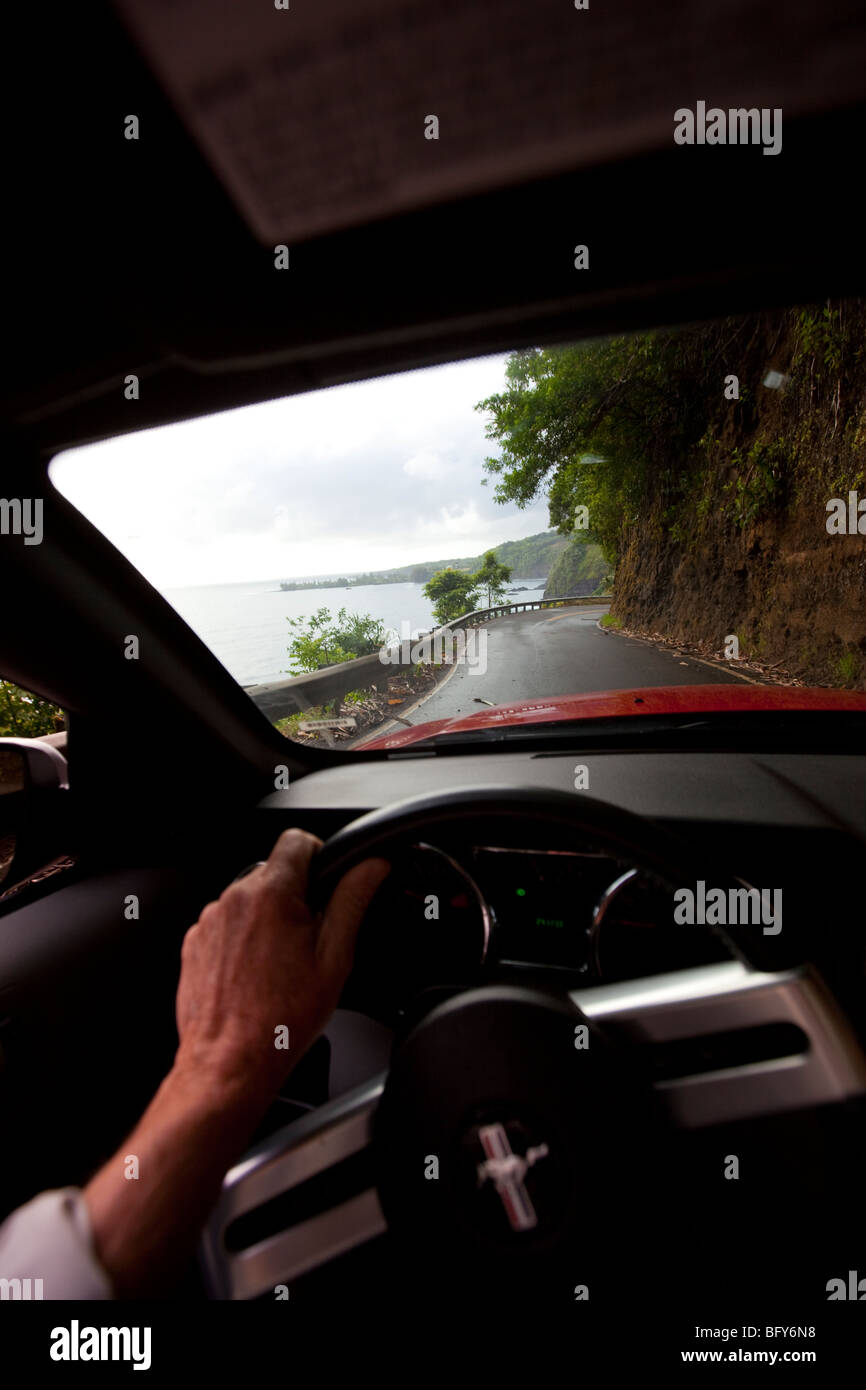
293,586
297,586
411,574
531,558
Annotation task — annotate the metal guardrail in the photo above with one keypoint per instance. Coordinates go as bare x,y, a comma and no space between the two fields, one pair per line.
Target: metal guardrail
276,699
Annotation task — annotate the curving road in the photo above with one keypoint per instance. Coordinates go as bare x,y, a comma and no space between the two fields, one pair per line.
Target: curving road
562,652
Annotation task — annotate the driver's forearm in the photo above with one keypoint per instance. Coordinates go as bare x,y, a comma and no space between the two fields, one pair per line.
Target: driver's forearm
145,1227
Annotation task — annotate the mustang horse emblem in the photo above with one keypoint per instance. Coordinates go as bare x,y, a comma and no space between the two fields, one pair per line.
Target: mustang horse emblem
508,1169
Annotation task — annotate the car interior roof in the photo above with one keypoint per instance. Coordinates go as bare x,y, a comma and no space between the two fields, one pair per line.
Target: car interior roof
131,256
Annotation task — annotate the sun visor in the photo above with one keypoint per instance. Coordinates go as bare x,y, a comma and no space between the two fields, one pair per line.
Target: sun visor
327,114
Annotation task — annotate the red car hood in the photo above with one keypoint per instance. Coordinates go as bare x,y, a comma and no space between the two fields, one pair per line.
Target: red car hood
662,699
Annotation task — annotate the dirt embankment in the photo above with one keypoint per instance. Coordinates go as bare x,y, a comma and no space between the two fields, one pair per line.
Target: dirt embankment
734,542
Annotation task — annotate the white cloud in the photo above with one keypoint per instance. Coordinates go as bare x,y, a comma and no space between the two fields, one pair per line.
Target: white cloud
359,477
427,464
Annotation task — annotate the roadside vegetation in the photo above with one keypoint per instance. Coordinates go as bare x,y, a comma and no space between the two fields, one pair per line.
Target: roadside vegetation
23,715
453,592
702,463
323,640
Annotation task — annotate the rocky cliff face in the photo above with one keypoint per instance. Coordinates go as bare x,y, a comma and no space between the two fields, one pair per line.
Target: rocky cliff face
737,541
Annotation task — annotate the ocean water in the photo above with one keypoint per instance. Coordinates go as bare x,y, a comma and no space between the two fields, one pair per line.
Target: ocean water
245,624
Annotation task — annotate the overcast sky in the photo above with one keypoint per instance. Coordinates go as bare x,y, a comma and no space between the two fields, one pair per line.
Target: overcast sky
359,477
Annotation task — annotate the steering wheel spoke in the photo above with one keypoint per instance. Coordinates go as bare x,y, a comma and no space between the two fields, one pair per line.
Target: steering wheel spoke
723,1043
252,1244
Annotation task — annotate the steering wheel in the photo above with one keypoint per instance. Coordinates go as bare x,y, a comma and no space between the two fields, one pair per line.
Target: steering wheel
522,1133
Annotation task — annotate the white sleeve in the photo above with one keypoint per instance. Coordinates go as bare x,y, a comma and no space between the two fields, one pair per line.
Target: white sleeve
47,1245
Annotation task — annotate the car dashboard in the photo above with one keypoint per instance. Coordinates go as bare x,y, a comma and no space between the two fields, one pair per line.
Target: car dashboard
465,911
465,915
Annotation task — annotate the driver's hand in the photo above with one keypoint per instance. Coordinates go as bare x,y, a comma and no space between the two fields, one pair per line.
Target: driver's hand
255,962
258,962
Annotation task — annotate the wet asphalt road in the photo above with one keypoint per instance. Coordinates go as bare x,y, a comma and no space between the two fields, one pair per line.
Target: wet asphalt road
559,652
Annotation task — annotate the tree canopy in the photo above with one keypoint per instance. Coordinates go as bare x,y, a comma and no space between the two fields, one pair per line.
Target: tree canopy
452,593
582,425
492,578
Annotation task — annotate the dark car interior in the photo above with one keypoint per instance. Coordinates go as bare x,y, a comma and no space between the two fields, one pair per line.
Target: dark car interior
727,1041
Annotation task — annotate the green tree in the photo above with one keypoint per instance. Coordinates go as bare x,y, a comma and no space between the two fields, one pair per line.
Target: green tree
322,641
452,593
23,715
588,424
492,577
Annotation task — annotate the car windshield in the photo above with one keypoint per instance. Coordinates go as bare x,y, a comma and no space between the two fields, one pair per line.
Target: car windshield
510,539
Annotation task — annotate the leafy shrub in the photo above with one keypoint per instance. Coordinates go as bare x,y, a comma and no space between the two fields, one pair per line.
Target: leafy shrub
325,641
23,715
